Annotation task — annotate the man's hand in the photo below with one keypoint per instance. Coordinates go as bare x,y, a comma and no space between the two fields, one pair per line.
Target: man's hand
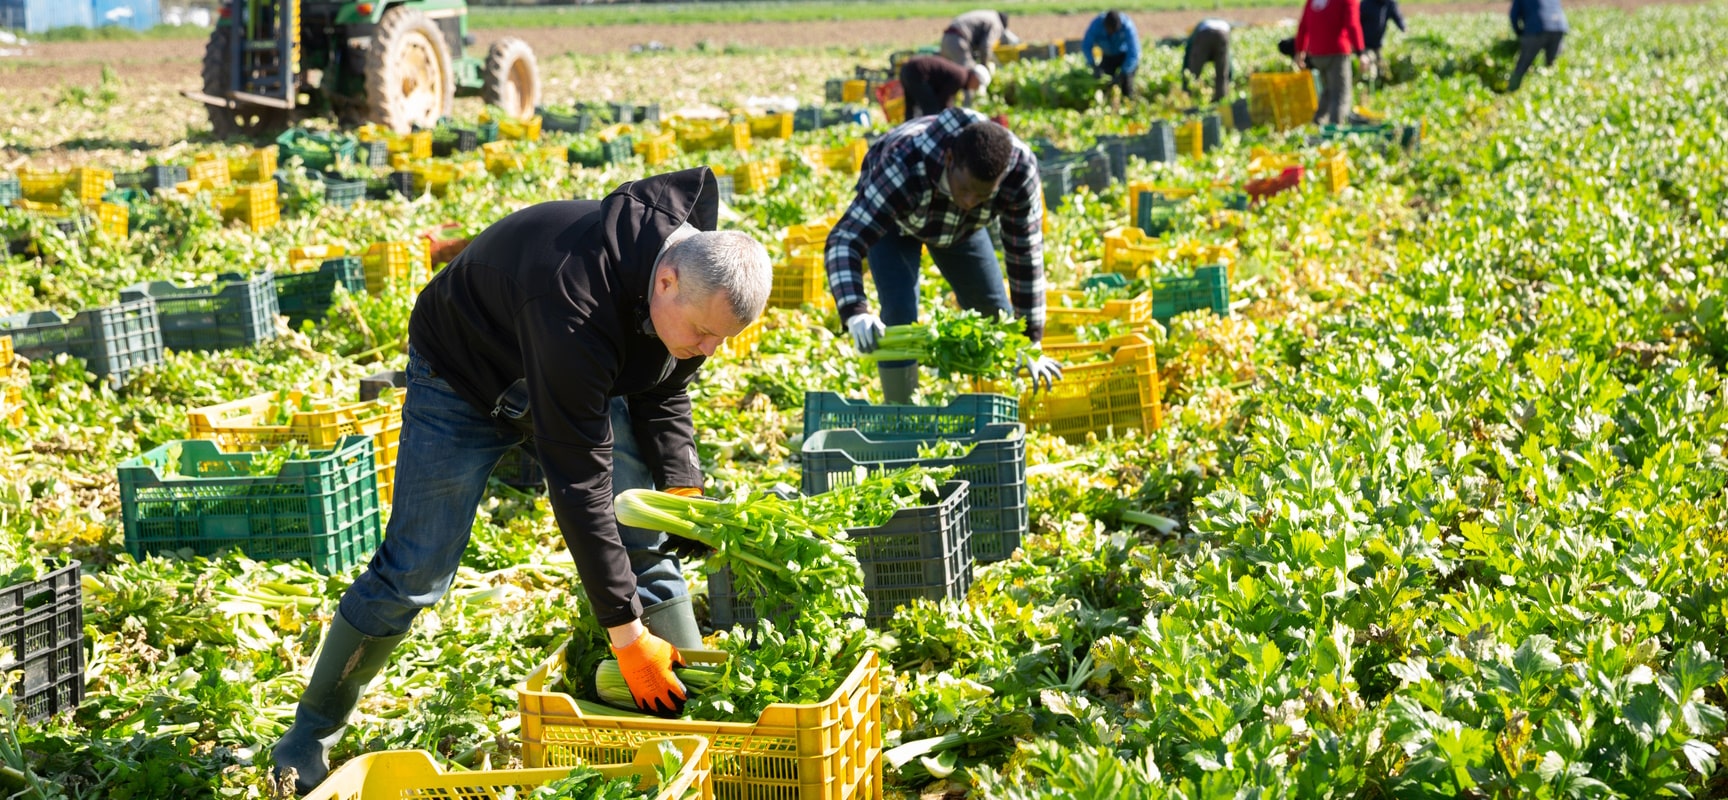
1301,60
647,664
866,330
1041,369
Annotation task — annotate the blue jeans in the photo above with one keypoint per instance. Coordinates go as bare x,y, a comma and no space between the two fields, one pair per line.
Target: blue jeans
448,449
969,266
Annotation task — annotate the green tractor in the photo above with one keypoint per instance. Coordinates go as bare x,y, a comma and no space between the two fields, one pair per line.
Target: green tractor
397,63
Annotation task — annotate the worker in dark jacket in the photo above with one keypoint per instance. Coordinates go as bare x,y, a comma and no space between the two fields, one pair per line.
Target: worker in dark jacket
931,83
1113,35
1541,27
937,183
1376,15
1209,44
972,37
576,325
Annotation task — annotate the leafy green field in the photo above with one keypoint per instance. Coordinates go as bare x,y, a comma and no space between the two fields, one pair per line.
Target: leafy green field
1448,481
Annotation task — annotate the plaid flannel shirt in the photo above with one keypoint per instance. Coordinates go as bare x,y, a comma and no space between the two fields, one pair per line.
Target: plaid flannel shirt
898,186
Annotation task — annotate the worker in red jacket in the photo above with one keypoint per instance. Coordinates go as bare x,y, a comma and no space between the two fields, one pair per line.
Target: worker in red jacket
1327,35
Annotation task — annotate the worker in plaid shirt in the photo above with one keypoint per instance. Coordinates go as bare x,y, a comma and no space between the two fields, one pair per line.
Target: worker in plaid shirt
937,182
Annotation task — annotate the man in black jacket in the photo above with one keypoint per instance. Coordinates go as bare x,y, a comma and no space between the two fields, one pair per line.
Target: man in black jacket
577,325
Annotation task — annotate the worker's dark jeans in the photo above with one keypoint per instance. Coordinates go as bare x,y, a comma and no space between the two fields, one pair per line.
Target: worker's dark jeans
921,100
1529,46
1209,46
969,265
448,448
1123,78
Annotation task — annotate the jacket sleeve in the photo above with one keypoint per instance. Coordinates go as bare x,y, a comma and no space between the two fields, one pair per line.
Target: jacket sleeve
1131,49
1304,27
1518,17
1353,24
882,193
1022,217
1093,31
665,433
1396,14
567,369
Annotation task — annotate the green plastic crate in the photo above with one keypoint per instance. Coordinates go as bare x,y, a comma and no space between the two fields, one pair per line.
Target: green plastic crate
1208,289
189,495
302,296
962,416
317,150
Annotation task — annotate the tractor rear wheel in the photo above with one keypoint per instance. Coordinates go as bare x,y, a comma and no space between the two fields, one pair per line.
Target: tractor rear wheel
512,78
409,78
250,122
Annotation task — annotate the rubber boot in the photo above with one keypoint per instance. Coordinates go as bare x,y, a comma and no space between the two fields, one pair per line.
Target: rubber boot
675,621
346,663
898,384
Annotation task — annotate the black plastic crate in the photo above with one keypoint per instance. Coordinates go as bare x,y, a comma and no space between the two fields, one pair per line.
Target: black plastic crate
1041,52
373,385
42,623
921,552
1116,151
302,296
995,466
1240,117
634,113
1058,180
1211,132
577,121
235,311
872,75
164,176
833,91
402,183
814,118
342,192
375,153
113,341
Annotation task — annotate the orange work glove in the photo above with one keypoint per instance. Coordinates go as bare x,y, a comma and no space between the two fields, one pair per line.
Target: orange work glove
647,666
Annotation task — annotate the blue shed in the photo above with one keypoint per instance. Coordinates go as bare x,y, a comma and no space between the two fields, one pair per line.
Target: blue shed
139,15
37,16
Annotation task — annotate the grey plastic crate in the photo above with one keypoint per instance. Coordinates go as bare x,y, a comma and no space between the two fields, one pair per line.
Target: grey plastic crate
921,552
114,341
995,466
1211,132
962,416
236,311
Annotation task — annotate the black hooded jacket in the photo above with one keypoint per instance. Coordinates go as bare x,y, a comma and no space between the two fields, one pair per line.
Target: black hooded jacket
557,294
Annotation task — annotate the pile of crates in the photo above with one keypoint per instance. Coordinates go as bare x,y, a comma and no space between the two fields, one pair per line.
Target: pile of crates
802,278
238,310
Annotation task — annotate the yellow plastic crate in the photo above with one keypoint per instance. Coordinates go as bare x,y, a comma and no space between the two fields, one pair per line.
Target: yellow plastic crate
756,176
894,108
744,343
1191,139
801,280
830,750
1265,162
1129,251
416,145
1009,53
810,235
12,406
1104,399
501,158
520,130
252,203
7,357
657,149
771,126
853,91
1335,167
208,171
257,165
114,219
389,263
49,186
1063,315
847,158
238,426
1282,99
306,258
732,135
437,176
414,775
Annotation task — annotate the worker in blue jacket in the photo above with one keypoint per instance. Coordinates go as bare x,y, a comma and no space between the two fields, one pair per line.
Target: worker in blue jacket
1541,27
1113,34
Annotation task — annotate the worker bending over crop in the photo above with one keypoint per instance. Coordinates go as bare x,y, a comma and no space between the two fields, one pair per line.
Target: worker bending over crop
972,37
1209,44
931,83
937,182
577,325
1113,34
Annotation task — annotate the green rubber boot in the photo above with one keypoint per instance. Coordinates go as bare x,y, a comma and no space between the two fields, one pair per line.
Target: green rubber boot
898,384
346,662
675,621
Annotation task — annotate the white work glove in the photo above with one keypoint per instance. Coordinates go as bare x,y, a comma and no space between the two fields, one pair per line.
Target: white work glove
866,330
1040,368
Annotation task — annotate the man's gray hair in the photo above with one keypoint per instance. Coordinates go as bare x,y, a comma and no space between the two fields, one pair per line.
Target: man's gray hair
724,261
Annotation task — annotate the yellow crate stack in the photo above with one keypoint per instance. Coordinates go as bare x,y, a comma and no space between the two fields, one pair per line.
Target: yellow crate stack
416,145
242,425
696,136
853,91
1191,139
253,166
771,126
745,342
657,149
208,171
847,158
756,176
392,263
1099,398
253,204
802,279
88,184
1064,313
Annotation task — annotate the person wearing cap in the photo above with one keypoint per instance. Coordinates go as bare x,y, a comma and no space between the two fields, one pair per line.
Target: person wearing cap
931,83
1113,34
972,37
578,326
937,183
1209,44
